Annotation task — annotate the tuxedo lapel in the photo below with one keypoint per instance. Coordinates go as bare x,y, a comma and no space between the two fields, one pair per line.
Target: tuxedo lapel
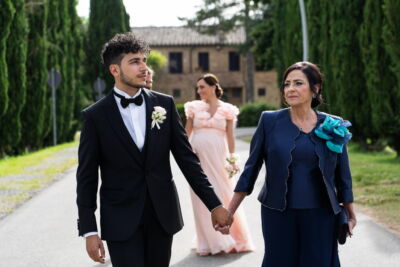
117,124
151,102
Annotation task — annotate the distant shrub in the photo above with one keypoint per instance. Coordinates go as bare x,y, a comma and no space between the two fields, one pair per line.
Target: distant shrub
250,113
181,111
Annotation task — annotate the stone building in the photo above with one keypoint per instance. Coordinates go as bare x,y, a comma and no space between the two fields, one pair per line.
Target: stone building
191,54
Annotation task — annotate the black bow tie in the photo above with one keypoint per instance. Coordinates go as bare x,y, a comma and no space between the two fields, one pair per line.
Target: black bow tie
126,101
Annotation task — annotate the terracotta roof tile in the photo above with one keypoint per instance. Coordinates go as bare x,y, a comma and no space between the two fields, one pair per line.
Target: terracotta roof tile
183,36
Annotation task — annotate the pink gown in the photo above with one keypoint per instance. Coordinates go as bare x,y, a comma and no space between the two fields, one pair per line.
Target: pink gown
209,142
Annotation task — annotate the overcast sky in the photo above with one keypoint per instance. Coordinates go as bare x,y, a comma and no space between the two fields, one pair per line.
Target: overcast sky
152,12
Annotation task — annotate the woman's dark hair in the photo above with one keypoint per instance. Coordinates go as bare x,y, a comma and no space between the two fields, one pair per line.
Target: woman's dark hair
121,44
314,77
211,80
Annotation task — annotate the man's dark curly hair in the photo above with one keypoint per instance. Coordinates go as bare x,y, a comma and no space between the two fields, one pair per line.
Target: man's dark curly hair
122,43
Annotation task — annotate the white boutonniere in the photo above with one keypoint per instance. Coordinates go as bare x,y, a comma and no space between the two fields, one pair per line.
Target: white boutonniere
158,116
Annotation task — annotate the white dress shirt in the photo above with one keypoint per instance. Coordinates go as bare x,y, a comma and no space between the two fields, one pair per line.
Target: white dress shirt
134,118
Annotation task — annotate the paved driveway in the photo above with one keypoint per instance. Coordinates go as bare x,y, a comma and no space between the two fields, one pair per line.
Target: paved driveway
43,233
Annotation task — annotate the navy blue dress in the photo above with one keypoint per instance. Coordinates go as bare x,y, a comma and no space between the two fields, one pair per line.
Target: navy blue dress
306,189
303,234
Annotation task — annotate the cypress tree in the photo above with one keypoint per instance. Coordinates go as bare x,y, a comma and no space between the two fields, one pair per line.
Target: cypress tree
107,17
287,40
74,64
326,55
380,80
391,37
67,87
292,46
34,112
347,81
6,13
10,132
315,28
262,34
279,24
55,57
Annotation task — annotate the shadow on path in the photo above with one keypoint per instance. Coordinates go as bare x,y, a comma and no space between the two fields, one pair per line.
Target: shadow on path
193,260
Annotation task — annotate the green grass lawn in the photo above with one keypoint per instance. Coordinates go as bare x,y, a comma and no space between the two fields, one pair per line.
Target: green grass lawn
22,176
18,164
376,178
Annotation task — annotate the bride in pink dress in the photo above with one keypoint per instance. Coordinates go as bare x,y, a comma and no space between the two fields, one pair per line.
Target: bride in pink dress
210,126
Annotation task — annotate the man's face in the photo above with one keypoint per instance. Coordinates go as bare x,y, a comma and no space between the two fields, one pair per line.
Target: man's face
132,70
149,80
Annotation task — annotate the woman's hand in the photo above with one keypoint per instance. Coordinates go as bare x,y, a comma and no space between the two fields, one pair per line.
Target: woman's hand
352,224
236,167
348,206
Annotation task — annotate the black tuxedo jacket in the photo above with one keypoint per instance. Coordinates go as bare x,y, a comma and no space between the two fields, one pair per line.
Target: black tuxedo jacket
128,174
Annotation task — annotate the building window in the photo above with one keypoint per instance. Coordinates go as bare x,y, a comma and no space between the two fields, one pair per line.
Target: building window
261,91
236,92
175,62
234,61
176,93
203,61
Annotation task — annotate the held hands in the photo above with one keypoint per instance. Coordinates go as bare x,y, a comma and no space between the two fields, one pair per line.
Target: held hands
95,248
221,219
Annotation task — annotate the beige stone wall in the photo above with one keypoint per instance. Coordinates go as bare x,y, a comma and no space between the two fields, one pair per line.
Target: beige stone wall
267,80
166,82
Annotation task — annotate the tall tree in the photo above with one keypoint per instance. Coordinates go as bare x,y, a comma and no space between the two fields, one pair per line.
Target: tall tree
66,89
34,112
54,36
82,89
75,65
6,13
10,132
391,37
262,33
316,12
287,40
107,17
380,81
212,18
347,82
279,24
320,39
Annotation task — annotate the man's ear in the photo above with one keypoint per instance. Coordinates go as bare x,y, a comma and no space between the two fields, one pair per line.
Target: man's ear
114,70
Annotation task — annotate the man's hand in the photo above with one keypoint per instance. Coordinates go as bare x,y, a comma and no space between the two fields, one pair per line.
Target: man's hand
221,218
95,248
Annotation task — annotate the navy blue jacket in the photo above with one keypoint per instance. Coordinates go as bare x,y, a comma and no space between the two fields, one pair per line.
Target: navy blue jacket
273,143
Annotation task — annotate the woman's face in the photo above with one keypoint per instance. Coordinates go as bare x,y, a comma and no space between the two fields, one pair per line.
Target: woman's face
205,91
297,91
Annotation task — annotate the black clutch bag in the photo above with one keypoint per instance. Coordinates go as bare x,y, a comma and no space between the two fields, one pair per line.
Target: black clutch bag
342,226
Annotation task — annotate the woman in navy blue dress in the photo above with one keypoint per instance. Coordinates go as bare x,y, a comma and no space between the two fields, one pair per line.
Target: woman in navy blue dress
307,178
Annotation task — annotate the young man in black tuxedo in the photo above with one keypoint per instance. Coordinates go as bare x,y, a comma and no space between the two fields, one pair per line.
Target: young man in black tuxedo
129,135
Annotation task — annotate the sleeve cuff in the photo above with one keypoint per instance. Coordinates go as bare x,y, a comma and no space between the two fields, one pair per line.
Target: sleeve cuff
90,234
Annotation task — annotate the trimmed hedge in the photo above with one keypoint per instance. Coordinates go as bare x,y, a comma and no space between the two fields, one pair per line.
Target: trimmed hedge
250,113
